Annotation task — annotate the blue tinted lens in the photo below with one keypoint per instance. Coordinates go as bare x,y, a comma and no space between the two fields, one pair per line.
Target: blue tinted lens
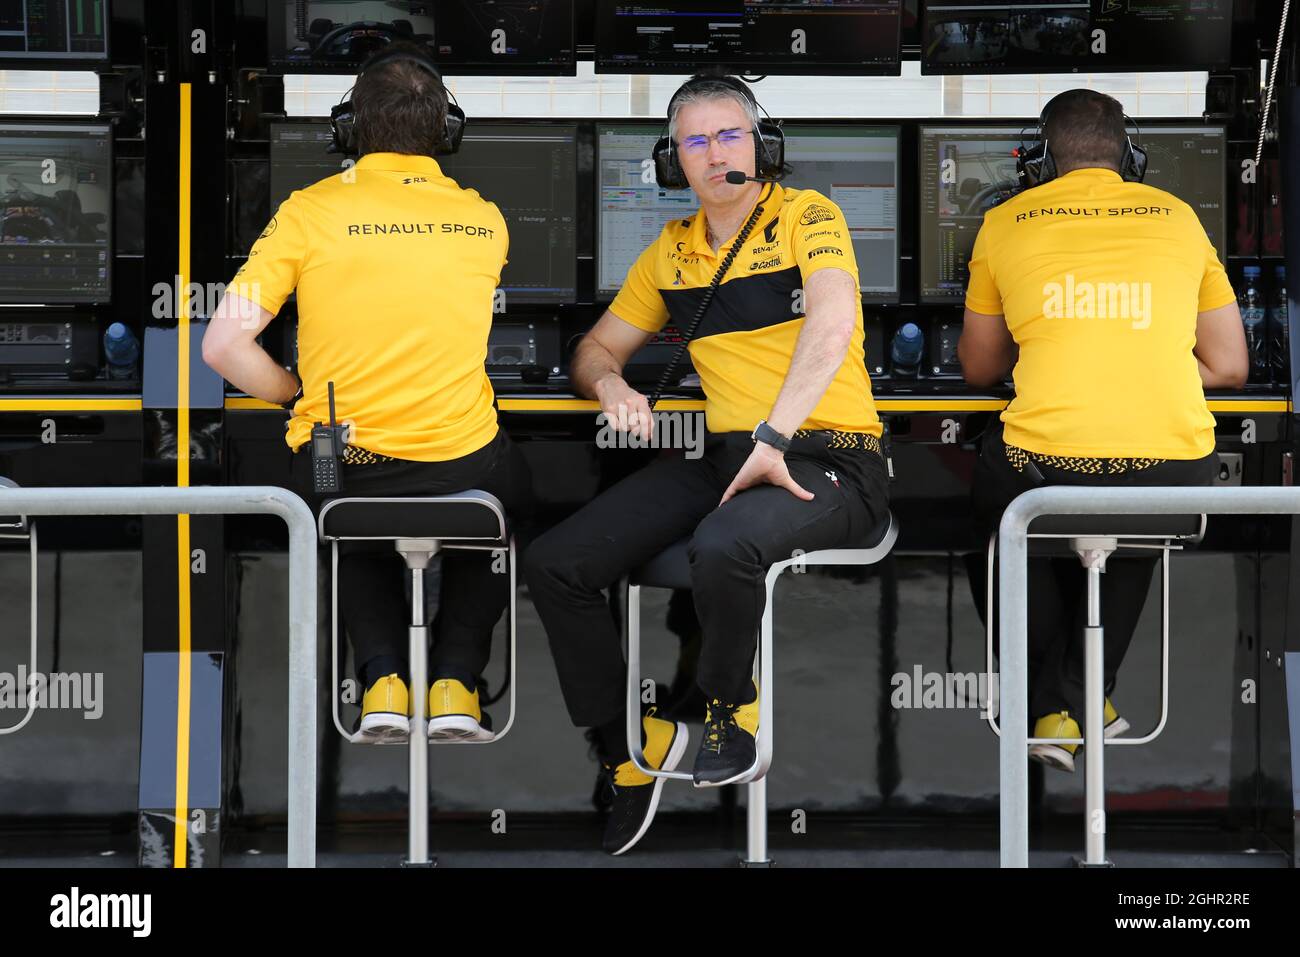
696,143
730,137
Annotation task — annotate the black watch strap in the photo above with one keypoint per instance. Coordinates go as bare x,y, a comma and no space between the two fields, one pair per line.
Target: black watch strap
765,433
288,406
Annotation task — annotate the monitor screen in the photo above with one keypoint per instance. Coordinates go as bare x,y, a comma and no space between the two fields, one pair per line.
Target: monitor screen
856,166
54,29
56,228
462,36
753,36
967,170
528,170
996,36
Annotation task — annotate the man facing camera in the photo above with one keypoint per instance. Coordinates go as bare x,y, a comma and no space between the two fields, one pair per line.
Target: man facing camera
791,455
1108,301
394,311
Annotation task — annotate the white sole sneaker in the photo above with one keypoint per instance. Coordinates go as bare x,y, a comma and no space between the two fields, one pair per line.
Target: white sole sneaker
675,752
1053,755
383,727
454,728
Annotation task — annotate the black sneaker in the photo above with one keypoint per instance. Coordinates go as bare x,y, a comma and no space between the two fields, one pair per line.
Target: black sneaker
635,795
728,751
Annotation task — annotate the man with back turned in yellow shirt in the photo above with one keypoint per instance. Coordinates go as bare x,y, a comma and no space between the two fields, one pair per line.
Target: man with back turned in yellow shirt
395,267
1109,301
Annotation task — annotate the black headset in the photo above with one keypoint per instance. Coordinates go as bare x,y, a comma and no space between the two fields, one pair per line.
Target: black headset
343,118
1035,164
769,141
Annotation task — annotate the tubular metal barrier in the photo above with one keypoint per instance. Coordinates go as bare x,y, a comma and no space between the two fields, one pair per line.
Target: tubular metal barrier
1013,596
211,500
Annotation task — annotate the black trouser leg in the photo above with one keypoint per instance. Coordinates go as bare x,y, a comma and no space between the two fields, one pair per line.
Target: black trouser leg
734,545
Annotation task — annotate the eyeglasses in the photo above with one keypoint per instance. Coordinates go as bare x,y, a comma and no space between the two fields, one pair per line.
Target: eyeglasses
725,138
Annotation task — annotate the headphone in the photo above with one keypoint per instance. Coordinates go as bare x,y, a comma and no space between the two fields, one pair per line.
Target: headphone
343,118
769,141
1035,165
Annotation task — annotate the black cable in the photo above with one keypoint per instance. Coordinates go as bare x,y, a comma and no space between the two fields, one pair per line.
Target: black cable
707,298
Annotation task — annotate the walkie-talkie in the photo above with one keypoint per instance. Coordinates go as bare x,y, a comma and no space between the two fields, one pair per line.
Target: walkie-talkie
326,451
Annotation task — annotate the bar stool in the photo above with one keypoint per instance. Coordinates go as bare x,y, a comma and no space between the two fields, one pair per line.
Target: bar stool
419,528
1093,539
22,527
671,569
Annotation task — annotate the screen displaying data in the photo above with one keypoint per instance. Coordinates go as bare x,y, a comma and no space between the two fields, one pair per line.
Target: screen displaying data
856,166
968,170
336,36
996,36
54,29
528,170
758,36
56,205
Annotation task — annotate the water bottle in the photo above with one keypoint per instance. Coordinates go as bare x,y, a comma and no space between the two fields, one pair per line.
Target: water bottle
906,349
122,352
1251,302
1279,327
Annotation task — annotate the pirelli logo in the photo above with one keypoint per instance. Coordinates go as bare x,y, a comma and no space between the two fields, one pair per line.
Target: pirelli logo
418,229
825,250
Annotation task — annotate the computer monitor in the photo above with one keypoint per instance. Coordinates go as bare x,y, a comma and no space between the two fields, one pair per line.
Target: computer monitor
752,36
462,36
1031,36
856,166
55,30
56,213
528,169
966,170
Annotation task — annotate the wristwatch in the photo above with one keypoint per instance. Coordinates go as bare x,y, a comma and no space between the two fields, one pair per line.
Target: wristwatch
288,406
765,433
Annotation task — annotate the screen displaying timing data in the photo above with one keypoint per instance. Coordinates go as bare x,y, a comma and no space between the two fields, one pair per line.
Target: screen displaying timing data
55,213
751,36
54,29
529,171
856,166
966,171
1032,36
336,36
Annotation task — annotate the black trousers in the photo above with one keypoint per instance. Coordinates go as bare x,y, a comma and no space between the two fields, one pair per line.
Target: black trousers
372,576
1057,586
731,548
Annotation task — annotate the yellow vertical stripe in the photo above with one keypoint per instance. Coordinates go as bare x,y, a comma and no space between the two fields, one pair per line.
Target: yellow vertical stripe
183,480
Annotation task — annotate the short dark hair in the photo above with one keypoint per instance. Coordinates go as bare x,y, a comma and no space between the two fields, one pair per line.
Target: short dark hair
400,106
1085,128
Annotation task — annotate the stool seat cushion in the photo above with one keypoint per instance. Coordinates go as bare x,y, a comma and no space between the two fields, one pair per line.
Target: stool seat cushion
470,516
671,568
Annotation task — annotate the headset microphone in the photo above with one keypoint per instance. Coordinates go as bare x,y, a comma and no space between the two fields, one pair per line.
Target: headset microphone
736,178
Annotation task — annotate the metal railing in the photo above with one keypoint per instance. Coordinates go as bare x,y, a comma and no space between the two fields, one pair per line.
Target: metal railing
211,500
1013,612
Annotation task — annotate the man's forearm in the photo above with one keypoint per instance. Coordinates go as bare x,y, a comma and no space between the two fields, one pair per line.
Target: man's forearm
249,369
818,354
591,363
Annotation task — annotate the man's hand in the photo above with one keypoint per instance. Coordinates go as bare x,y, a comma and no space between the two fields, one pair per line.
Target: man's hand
626,410
765,465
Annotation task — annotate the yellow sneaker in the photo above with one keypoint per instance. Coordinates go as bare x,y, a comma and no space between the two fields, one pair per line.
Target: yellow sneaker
1057,725
1114,724
635,793
454,713
384,710
728,752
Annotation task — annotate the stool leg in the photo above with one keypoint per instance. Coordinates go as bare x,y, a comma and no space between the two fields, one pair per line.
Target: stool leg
756,825
417,853
1093,736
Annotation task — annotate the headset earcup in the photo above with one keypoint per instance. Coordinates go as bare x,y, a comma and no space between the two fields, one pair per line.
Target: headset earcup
1135,163
770,149
668,172
453,131
343,126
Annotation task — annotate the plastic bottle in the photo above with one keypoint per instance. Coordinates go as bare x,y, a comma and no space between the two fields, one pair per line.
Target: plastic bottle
122,352
906,349
1279,327
1251,303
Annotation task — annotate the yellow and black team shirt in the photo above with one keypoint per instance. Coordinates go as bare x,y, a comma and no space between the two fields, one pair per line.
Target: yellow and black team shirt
1100,282
744,345
396,267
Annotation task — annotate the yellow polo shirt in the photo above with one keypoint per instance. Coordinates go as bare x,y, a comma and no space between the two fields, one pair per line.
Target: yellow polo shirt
395,266
744,345
1100,282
